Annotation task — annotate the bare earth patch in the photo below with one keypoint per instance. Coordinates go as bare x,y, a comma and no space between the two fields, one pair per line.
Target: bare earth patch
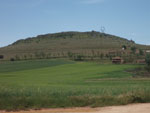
133,108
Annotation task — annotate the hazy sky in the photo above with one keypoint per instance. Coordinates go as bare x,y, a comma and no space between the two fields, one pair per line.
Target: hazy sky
20,19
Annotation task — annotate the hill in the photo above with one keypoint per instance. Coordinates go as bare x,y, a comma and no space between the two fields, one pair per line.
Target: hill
68,44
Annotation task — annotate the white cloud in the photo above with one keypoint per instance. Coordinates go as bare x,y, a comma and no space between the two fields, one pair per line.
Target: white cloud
92,1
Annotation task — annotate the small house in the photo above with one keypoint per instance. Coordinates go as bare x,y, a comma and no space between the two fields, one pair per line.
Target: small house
147,51
117,60
123,48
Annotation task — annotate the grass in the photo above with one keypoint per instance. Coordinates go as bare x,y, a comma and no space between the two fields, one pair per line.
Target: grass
58,83
29,65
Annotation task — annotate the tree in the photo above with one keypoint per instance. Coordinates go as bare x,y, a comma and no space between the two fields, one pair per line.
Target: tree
1,56
147,59
107,56
42,54
17,57
70,54
25,57
141,52
124,47
132,41
102,55
12,59
93,53
133,49
79,58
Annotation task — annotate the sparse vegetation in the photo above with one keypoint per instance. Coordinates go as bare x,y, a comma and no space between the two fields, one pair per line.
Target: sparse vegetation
92,45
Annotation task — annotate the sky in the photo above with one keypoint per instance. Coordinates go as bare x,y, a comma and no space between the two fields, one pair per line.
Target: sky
20,19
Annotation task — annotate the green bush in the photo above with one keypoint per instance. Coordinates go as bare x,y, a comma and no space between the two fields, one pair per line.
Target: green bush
133,49
141,52
79,58
124,46
1,56
147,59
147,68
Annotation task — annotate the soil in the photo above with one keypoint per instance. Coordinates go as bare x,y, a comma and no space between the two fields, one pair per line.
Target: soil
133,108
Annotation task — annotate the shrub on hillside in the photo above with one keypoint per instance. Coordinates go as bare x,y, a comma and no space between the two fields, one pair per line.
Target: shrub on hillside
141,52
124,46
17,57
79,58
12,59
133,49
1,56
70,54
101,55
147,68
147,59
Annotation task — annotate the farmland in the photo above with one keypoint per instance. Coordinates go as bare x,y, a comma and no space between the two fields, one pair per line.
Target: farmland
63,83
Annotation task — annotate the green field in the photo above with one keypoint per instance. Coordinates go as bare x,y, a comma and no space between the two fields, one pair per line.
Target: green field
62,83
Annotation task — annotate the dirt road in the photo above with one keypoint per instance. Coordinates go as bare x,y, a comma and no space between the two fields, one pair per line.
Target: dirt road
134,108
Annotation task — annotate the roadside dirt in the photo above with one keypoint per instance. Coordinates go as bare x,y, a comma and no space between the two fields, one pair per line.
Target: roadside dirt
133,108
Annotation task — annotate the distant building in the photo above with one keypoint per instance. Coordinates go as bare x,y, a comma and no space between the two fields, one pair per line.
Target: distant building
117,60
147,51
123,48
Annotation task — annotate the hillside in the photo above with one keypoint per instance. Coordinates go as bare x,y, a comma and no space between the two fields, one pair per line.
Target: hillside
66,44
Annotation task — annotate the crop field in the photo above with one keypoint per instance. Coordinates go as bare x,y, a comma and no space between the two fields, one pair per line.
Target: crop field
62,83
